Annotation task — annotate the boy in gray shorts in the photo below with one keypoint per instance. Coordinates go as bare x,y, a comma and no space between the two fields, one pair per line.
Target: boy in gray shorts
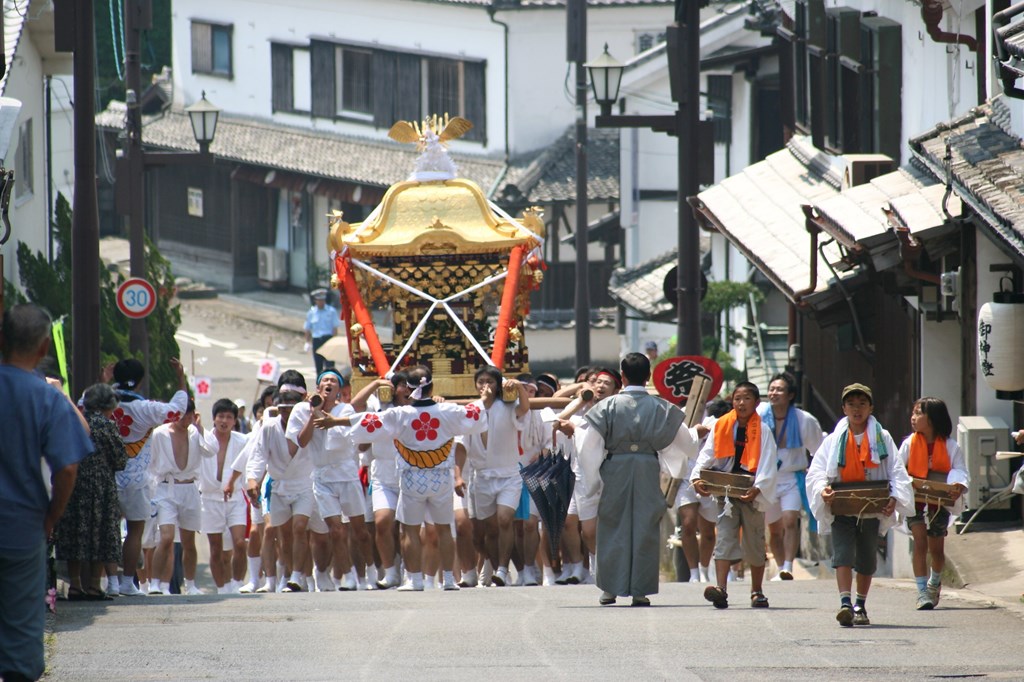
859,449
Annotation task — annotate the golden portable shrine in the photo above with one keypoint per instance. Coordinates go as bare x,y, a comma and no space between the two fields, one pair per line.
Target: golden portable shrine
446,269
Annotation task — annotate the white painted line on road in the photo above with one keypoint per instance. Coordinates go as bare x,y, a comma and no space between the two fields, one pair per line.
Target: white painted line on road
202,340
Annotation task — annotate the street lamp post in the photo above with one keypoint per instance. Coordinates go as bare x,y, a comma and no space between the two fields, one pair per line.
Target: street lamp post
684,58
132,163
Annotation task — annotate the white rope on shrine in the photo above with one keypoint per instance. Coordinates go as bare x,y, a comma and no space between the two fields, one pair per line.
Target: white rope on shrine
434,303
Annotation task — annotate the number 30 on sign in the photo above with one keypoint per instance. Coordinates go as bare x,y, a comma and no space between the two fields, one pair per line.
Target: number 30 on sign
136,298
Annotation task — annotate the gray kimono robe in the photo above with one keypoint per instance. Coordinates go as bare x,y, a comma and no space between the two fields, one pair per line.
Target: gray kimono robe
634,426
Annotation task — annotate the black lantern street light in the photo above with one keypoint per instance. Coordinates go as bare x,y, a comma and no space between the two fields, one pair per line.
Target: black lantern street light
684,57
204,122
605,78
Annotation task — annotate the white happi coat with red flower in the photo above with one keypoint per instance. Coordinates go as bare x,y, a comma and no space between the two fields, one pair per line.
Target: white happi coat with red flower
424,435
135,420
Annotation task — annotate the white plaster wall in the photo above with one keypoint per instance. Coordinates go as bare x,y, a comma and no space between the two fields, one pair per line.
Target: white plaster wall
988,283
940,364
62,134
539,110
28,212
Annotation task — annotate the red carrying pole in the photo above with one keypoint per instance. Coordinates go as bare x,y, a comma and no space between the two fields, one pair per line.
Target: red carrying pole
343,269
508,306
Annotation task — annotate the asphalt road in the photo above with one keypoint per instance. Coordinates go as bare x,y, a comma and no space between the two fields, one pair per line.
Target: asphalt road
557,633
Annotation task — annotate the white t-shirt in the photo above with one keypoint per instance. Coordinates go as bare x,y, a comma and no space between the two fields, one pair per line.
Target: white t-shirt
499,457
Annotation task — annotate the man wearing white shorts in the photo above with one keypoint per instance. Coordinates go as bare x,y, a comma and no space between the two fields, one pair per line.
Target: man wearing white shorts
336,486
497,485
382,458
424,434
136,417
291,497
223,513
797,436
178,449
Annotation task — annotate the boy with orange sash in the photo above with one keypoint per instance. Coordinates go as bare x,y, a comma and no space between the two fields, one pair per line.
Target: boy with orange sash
859,449
740,444
930,453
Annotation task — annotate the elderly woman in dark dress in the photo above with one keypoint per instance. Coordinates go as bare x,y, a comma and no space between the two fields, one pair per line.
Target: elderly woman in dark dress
88,535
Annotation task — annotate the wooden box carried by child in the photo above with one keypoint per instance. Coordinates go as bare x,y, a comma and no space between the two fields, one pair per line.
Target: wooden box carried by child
860,497
934,490
722,484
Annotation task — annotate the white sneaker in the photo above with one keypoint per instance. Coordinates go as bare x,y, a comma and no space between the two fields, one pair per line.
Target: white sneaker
324,582
129,589
192,591
411,586
388,582
247,588
500,577
563,577
530,579
449,585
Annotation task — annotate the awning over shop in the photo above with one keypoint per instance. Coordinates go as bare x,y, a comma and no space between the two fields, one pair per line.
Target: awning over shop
759,211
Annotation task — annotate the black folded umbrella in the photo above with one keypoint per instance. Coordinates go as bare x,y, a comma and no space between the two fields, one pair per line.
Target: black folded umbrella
550,482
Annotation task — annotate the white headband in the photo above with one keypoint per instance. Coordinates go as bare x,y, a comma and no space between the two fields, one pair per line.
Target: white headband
417,389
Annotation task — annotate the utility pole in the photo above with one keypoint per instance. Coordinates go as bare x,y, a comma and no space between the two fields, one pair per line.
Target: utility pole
136,18
577,43
687,55
85,242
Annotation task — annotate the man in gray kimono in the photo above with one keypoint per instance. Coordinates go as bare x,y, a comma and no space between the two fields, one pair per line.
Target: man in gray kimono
621,450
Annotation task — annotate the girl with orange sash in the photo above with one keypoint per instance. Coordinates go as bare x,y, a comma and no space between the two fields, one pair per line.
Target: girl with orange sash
930,453
859,449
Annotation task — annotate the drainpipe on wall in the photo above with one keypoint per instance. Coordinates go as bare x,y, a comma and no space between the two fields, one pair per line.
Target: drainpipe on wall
811,225
932,13
1001,30
504,171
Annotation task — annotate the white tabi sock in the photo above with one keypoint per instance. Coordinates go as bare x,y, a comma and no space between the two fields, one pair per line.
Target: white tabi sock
787,566
255,564
428,582
272,583
391,574
189,584
703,571
296,578
310,585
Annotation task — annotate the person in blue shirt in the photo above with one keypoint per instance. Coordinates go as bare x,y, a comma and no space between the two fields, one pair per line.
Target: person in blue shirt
40,424
322,323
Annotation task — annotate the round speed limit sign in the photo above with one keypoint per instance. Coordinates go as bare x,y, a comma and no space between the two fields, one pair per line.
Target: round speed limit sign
136,298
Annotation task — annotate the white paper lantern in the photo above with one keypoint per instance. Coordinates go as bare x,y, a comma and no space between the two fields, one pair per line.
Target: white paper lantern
1001,346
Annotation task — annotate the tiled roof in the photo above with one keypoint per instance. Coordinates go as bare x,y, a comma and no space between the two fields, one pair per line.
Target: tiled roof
310,152
541,4
14,22
549,175
987,167
558,318
641,287
758,210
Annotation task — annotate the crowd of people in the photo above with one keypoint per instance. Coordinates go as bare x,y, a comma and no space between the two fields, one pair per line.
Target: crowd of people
396,487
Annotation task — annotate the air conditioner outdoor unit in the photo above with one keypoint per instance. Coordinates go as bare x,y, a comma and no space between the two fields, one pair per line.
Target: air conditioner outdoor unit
980,438
863,168
273,265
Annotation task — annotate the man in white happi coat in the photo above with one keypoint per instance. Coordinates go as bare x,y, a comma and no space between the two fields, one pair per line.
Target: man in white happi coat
336,486
178,450
291,497
630,435
223,514
424,434
136,417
